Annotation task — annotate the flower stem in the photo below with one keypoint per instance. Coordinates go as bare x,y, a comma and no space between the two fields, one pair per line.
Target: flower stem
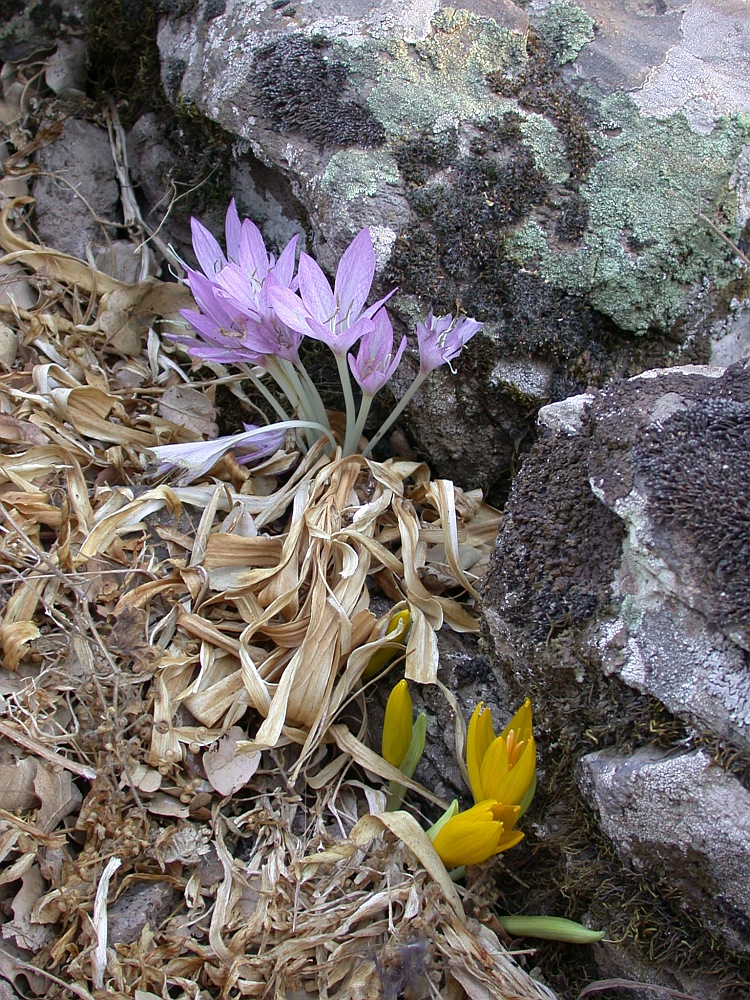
352,440
313,395
266,393
400,407
346,385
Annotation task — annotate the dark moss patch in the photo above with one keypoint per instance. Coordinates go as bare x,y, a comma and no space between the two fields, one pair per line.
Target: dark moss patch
566,533
123,55
453,253
461,219
573,219
540,87
697,467
418,159
302,90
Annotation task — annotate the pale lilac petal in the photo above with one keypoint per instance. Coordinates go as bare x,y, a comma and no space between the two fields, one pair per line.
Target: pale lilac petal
283,269
344,340
354,278
380,341
208,252
234,288
196,458
441,340
233,226
290,309
370,311
315,291
261,446
251,252
375,361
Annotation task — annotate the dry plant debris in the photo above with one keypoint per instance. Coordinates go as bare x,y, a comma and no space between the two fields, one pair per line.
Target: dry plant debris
142,622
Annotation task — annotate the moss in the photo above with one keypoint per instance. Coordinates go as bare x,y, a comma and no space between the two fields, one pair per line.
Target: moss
706,515
301,89
539,87
123,56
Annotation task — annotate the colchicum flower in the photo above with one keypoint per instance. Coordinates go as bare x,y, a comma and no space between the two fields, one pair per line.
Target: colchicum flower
254,312
441,340
474,835
502,768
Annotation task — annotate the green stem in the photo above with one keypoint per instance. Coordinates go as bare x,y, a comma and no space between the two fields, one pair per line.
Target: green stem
277,370
353,440
267,394
312,394
346,385
400,407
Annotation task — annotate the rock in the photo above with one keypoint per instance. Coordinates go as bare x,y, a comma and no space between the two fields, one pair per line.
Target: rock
512,163
618,600
29,26
681,814
76,188
139,904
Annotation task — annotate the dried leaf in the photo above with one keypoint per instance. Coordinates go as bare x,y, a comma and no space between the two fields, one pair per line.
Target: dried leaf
227,771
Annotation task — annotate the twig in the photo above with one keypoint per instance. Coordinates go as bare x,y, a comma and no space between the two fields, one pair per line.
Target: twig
41,751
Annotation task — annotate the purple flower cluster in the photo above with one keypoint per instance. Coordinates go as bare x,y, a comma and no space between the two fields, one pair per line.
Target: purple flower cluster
253,309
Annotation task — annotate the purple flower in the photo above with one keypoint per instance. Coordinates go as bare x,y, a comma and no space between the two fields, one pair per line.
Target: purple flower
337,317
236,322
441,340
375,361
196,458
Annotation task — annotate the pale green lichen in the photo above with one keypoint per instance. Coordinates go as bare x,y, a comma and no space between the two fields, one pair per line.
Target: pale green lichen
353,173
645,248
546,143
440,81
566,28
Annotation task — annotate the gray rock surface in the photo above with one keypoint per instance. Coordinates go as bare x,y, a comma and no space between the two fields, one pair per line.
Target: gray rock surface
683,814
76,191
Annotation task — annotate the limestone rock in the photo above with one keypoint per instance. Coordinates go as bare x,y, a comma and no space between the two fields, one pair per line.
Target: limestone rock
681,814
618,600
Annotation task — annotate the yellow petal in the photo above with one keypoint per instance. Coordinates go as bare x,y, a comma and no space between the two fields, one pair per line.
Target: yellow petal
469,838
521,722
397,725
495,769
513,786
478,741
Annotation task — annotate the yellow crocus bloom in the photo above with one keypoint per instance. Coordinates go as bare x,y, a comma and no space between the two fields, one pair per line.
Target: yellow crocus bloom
501,768
472,836
397,726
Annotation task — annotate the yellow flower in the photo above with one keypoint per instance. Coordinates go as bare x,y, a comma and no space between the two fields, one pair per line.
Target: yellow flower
472,836
501,768
397,632
397,726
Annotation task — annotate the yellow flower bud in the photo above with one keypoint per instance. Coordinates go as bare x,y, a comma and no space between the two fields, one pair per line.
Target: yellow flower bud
397,726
